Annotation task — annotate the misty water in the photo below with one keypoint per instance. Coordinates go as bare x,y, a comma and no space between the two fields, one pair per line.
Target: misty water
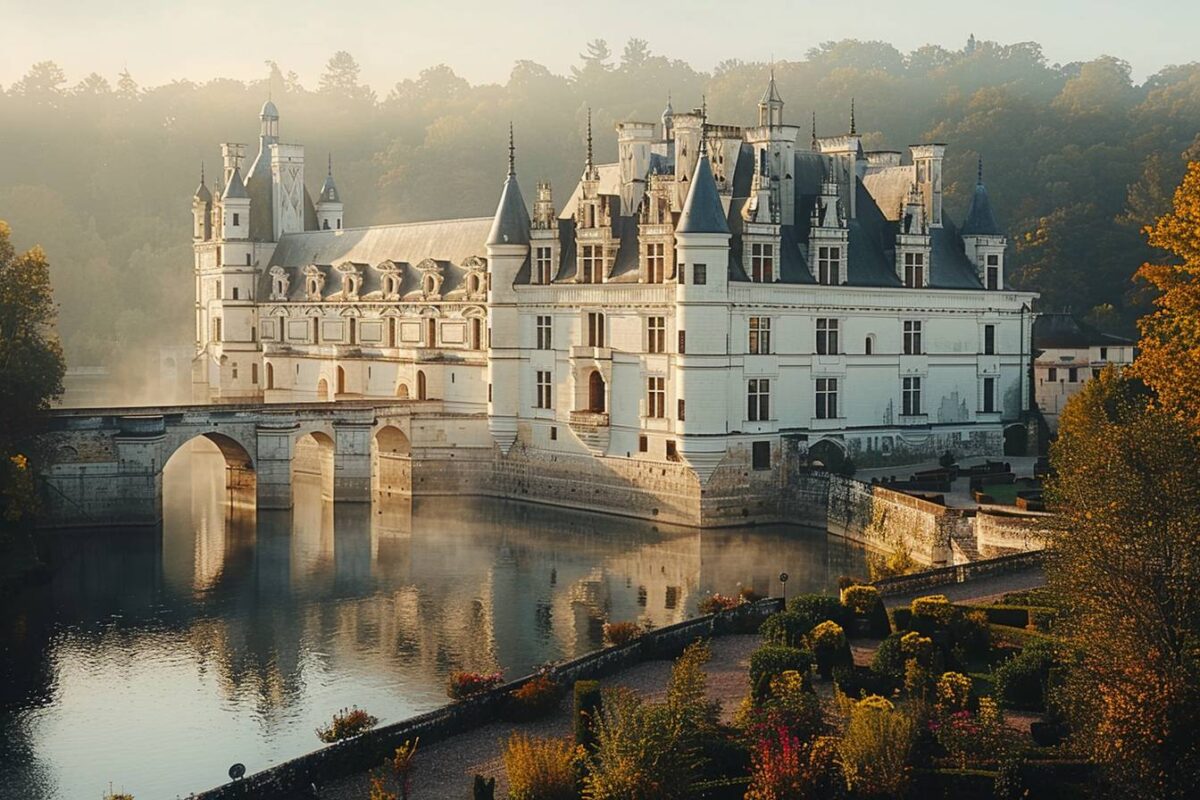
156,659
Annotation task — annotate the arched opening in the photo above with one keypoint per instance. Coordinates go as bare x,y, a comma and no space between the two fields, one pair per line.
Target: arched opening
208,496
270,375
402,391
431,332
869,345
830,455
1016,440
392,462
341,381
322,391
312,467
420,384
476,333
596,392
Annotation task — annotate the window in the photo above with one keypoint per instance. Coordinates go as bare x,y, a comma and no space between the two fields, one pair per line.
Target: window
542,260
270,375
869,345
216,329
542,399
672,455
682,342
761,455
699,274
914,270
827,398
758,400
643,444
989,340
762,263
237,219
1104,354
1052,374
827,336
553,434
545,340
247,259
1073,375
912,338
656,335
591,263
829,263
680,415
235,370
431,333
656,265
476,333
595,329
254,373
993,272
760,335
989,395
656,397
910,397
353,331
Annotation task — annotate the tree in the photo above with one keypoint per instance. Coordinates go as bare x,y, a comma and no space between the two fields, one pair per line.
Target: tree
595,60
636,53
340,78
127,87
1170,346
31,362
42,83
1126,560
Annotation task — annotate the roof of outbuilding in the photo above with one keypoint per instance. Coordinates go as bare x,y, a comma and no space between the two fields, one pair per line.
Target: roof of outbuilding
1062,330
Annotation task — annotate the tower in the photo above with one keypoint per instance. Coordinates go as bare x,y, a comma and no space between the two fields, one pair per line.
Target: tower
507,249
982,238
202,211
329,204
702,317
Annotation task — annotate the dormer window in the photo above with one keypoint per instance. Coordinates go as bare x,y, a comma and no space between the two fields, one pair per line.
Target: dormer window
914,270
279,283
762,263
314,282
351,280
431,277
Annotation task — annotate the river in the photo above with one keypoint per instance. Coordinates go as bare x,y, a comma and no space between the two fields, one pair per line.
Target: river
155,659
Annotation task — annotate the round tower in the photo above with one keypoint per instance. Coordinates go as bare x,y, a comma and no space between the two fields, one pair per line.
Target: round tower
329,203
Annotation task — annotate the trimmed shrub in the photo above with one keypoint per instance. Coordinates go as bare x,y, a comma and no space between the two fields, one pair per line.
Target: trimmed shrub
588,702
787,628
970,633
816,608
347,723
864,602
829,646
617,634
1042,618
541,769
1012,616
535,699
935,606
901,618
889,658
858,682
716,603
1020,682
771,660
468,684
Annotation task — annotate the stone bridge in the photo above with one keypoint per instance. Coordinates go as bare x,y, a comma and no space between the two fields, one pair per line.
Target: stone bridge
103,466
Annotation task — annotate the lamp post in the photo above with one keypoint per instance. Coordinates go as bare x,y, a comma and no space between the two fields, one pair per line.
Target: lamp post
783,579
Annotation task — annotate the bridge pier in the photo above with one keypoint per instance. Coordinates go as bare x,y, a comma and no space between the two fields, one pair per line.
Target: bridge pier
352,457
276,446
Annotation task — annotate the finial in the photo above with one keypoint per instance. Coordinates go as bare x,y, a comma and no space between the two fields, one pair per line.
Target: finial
330,173
703,124
201,172
589,139
512,151
814,130
853,125
979,175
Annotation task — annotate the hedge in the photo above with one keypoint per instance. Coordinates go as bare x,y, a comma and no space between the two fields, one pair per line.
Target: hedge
953,784
770,660
1018,616
816,608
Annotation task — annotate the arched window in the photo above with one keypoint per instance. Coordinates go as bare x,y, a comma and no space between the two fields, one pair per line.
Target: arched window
476,333
341,381
420,385
596,391
869,345
270,375
323,391
431,333
402,391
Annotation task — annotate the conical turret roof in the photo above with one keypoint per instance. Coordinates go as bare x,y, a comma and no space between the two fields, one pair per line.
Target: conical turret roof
236,190
702,211
329,191
980,220
202,192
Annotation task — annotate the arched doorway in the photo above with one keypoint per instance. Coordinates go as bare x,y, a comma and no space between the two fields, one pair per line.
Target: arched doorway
831,456
596,399
392,460
420,384
322,391
1016,440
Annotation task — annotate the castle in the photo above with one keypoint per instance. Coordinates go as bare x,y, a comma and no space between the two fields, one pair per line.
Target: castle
719,295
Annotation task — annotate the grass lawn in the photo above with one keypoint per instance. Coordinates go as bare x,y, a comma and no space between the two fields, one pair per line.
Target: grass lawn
1004,494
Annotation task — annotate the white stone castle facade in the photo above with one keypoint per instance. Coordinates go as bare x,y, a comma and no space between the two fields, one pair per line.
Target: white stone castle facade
715,293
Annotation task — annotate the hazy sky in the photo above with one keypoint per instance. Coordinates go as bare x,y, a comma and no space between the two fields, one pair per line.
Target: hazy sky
394,39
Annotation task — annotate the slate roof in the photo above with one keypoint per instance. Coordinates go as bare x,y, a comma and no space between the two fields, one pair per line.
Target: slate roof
703,211
511,223
236,190
980,221
1061,330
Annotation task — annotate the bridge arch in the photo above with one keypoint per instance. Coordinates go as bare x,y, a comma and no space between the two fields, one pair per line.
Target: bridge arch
240,477
313,463
391,465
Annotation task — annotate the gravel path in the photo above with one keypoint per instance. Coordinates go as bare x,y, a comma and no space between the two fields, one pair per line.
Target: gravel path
978,590
445,770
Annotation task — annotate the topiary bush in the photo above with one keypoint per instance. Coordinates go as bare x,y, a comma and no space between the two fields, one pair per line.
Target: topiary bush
829,647
587,705
865,602
787,628
1021,681
889,658
816,608
771,660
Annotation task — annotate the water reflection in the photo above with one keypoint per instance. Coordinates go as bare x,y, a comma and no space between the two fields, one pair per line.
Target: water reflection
156,660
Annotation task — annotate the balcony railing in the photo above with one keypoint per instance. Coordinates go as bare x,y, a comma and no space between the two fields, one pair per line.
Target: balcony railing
589,419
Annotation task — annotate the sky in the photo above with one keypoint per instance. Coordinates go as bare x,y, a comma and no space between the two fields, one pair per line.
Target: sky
159,41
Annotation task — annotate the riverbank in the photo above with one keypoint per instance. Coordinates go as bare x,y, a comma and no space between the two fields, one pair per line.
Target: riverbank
446,769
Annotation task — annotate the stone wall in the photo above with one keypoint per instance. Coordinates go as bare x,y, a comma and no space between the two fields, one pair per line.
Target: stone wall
890,522
998,532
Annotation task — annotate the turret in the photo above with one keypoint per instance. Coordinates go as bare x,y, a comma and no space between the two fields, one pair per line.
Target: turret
235,208
634,140
507,250
202,211
702,316
329,204
913,241
268,120
983,240
770,107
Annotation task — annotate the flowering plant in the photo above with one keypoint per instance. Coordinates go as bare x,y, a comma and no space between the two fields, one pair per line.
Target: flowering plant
716,603
468,684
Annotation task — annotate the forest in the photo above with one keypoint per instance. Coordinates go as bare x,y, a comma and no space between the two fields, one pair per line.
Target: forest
1078,158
